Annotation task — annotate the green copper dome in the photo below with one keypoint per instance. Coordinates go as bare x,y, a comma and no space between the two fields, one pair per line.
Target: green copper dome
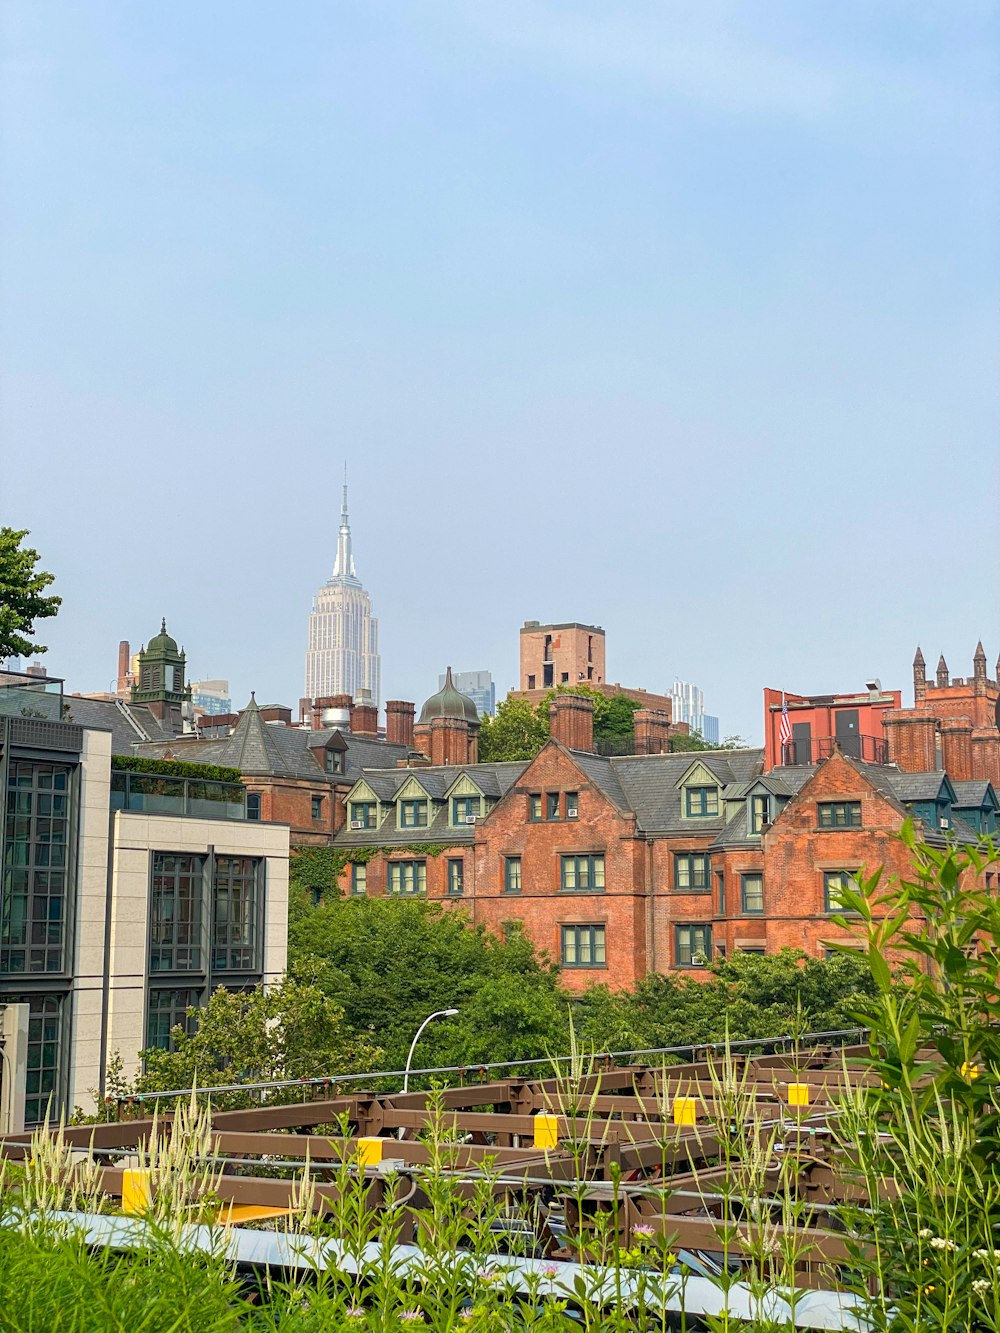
162,644
449,702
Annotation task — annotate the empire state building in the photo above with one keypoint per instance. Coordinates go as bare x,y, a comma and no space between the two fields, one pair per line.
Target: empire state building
342,657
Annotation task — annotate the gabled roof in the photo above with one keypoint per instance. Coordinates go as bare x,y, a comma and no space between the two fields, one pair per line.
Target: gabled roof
975,795
265,749
129,724
650,785
933,786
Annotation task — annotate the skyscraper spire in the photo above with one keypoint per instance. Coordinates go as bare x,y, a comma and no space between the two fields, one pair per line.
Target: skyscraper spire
343,566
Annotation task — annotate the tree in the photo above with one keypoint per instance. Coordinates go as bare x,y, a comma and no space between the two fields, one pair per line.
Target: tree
21,600
516,732
293,1031
694,740
388,963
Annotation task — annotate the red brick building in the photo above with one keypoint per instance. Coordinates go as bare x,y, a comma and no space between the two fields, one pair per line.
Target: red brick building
571,654
617,867
818,723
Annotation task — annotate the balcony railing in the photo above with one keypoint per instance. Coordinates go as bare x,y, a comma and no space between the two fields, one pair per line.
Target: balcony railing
872,749
22,695
160,794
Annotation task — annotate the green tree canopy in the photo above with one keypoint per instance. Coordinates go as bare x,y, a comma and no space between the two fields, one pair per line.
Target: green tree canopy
516,732
21,600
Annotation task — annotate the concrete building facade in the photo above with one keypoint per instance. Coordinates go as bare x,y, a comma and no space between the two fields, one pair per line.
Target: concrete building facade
124,897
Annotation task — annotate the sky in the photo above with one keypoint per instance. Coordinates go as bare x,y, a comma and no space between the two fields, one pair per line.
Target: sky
676,318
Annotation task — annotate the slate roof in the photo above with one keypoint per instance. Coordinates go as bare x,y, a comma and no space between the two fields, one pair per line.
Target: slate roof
109,715
436,781
649,784
974,795
258,747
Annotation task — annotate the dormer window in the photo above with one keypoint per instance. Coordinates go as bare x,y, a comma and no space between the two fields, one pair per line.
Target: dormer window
334,761
760,813
465,809
413,814
701,802
363,814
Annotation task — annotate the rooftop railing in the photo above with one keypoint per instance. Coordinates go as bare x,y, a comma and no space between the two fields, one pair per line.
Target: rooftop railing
160,794
23,695
871,749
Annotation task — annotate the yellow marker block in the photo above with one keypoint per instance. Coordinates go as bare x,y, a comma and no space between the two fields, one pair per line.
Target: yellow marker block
685,1110
546,1131
231,1214
798,1094
369,1151
135,1191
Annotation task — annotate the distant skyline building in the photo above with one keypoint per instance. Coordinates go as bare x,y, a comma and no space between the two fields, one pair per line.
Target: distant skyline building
342,657
478,685
211,697
689,707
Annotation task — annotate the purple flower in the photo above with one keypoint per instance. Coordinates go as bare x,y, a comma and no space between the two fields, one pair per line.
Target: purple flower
550,1270
355,1312
412,1316
644,1230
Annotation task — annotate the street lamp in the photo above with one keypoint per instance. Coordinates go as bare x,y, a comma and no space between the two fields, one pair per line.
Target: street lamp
438,1013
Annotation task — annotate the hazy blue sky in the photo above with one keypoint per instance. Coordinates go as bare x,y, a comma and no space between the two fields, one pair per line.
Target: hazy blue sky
677,318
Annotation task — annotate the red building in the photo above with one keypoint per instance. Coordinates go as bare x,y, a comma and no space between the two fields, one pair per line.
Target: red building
618,867
819,722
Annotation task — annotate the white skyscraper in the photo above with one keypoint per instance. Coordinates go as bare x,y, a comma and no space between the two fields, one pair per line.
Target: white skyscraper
342,657
689,707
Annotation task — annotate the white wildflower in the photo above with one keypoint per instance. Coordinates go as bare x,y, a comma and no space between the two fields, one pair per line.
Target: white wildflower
980,1285
939,1243
925,1233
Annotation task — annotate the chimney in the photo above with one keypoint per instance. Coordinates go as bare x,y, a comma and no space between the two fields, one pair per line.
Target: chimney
912,740
331,710
124,666
571,721
652,731
364,714
399,717
986,755
449,740
956,748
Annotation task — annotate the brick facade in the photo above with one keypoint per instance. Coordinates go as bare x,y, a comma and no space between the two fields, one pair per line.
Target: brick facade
612,889
952,724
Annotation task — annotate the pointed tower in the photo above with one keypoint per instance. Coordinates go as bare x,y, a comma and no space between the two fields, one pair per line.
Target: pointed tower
159,682
979,665
919,677
342,656
942,673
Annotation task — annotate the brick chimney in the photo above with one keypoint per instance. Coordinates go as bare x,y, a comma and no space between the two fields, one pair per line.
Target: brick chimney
571,721
652,731
986,755
956,748
912,740
399,717
124,667
450,741
364,714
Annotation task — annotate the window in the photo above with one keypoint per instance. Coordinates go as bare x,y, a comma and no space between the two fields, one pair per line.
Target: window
413,814
464,808
564,678
407,877
752,893
175,913
534,808
363,813
359,879
833,882
167,1009
583,946
36,866
456,876
720,880
584,873
572,805
701,802
760,813
44,1042
234,920
531,682
512,874
334,761
253,805
552,802
691,871
317,807
757,949
839,814
693,945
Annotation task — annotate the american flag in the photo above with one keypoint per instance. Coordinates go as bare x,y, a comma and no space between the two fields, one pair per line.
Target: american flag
785,729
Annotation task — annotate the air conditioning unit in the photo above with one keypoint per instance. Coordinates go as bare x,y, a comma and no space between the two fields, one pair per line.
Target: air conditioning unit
572,814
945,823
357,823
471,819
697,962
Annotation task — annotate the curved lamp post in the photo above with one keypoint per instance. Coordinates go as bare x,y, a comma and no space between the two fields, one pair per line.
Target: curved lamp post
438,1013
